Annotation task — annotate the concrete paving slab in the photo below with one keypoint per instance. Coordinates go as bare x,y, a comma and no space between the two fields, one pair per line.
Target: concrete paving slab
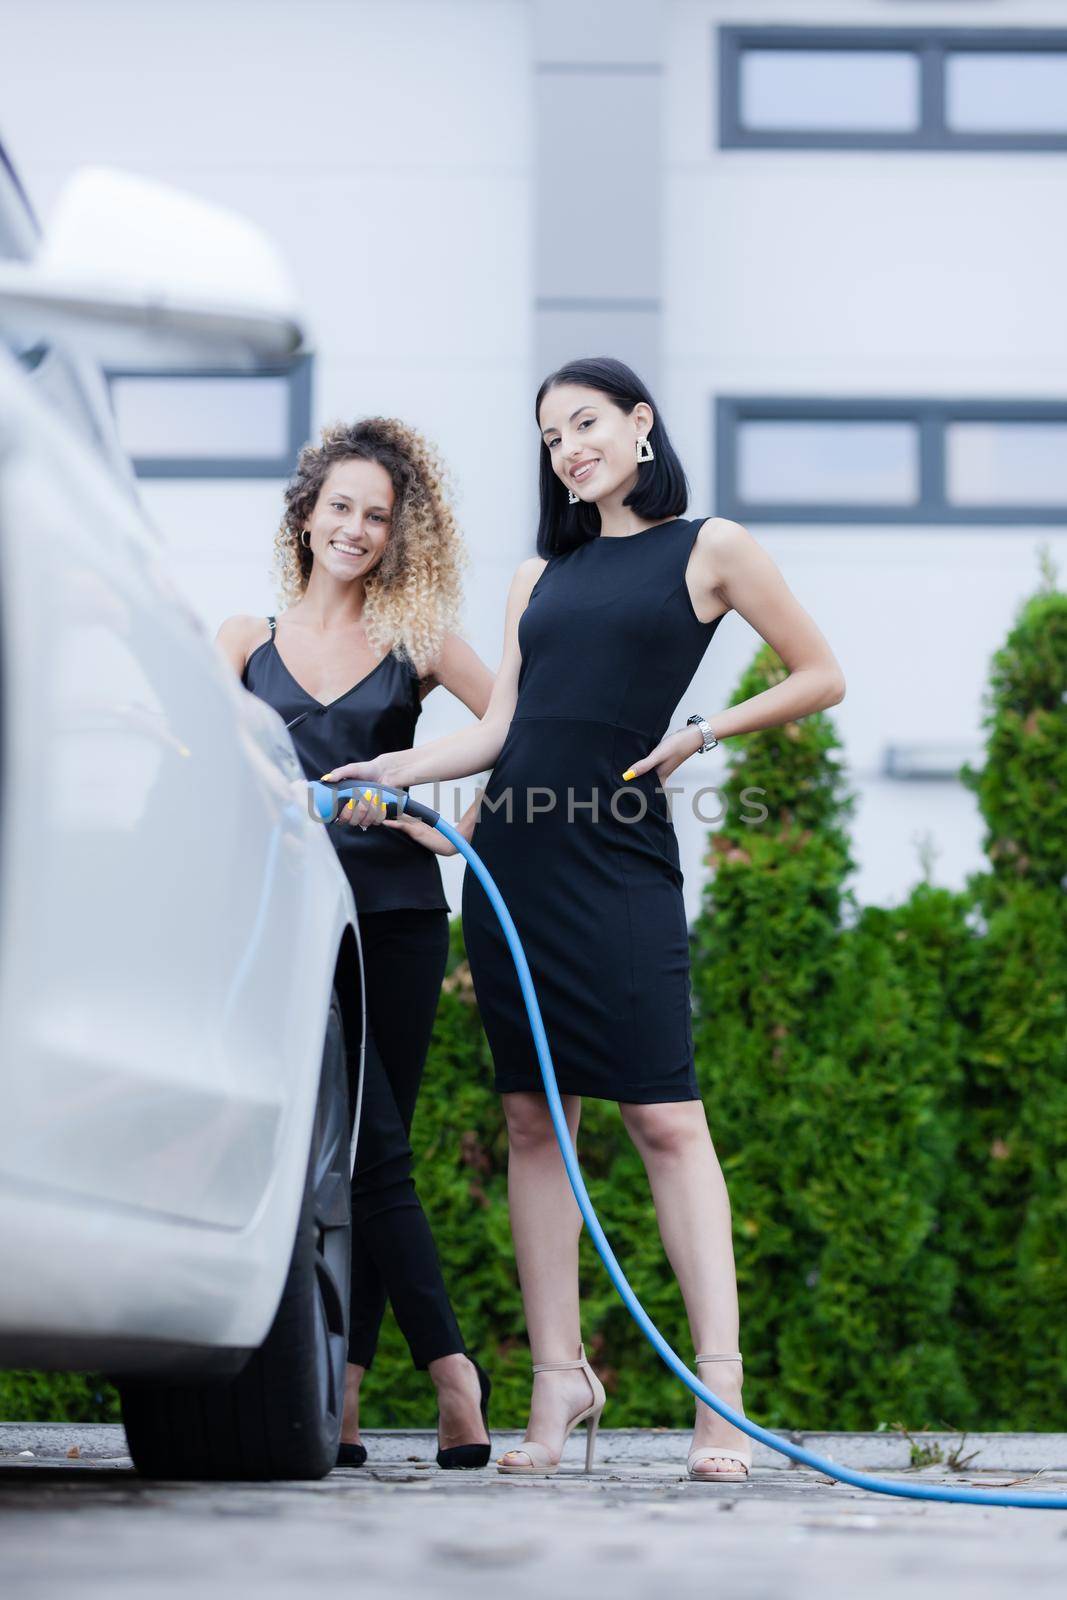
634,1529
865,1452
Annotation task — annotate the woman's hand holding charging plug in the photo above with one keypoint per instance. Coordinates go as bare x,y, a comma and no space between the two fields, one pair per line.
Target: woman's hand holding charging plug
422,833
432,838
362,810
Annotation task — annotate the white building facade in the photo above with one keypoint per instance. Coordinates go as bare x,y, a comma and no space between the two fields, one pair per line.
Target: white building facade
831,234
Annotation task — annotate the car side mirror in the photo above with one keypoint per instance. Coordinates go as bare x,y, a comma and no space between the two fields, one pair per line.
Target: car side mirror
140,275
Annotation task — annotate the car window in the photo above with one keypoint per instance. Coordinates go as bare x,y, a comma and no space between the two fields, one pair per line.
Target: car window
18,225
66,381
71,386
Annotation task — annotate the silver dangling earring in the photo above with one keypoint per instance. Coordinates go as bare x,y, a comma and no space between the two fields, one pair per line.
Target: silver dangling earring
572,498
305,538
645,451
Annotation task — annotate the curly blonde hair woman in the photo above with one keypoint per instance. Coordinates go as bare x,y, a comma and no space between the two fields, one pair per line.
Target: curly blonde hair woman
412,597
369,560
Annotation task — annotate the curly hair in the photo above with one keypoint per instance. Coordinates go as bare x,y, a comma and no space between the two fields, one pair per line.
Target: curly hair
414,595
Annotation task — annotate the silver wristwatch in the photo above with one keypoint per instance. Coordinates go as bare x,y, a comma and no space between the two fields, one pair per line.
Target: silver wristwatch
706,734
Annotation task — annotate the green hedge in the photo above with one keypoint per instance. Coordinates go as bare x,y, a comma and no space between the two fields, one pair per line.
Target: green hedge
1007,1219
825,1050
887,1094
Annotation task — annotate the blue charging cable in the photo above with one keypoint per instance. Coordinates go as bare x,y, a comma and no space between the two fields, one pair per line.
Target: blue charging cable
325,797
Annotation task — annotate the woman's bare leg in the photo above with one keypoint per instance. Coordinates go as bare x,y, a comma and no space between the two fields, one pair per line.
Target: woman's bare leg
693,1212
545,1227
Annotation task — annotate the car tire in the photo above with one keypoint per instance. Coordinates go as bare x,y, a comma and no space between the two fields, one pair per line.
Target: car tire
280,1417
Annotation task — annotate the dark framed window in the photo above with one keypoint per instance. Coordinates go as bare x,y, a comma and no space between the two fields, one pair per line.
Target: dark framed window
213,424
793,459
896,88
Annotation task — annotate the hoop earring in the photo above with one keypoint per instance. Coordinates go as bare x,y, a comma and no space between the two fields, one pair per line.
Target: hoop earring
572,498
306,542
645,451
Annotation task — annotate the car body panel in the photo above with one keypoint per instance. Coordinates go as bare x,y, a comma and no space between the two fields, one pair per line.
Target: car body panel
171,922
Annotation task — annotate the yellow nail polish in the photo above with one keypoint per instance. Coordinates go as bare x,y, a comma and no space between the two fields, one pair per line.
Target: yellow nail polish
629,773
347,808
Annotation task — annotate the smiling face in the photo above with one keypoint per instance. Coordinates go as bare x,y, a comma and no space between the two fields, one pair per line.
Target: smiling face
591,443
349,527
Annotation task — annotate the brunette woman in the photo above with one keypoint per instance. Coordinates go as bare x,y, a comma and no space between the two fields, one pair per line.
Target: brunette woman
605,629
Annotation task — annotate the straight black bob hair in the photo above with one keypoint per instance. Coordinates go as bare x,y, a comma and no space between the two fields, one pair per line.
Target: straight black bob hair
661,490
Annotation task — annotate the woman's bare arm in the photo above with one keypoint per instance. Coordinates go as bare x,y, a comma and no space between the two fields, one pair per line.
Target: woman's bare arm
461,671
750,582
235,637
732,568
470,750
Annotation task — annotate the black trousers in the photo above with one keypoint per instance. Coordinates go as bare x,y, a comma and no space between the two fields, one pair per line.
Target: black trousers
393,1252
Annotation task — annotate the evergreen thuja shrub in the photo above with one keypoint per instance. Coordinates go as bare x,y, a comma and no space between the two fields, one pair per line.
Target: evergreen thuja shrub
873,1158
28,1396
1009,1189
826,1051
764,949
1022,787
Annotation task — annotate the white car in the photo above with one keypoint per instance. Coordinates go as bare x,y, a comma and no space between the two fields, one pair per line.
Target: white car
181,1002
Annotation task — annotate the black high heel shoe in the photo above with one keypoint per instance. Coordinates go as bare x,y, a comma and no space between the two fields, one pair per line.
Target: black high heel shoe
469,1455
351,1455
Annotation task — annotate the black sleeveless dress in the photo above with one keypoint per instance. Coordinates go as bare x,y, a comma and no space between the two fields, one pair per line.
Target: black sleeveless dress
387,870
609,643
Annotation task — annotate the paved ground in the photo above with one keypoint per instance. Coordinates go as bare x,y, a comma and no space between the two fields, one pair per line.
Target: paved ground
88,1527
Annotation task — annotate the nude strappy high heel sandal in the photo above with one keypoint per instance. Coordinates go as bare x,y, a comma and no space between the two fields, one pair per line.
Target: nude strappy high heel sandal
742,1454
541,1462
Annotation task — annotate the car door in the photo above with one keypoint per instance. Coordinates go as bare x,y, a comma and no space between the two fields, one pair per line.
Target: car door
155,866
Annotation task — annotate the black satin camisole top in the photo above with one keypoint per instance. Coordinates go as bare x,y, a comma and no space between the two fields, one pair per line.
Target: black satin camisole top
387,870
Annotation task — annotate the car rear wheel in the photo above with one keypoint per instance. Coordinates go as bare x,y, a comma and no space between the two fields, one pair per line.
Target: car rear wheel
280,1417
